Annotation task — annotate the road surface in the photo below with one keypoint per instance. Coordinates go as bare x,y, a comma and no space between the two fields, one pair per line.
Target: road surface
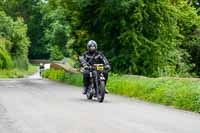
35,105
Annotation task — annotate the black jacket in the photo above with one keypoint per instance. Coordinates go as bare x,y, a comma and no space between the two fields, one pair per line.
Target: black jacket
89,59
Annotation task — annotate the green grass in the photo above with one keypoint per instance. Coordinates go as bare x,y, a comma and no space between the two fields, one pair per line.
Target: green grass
17,73
61,75
182,94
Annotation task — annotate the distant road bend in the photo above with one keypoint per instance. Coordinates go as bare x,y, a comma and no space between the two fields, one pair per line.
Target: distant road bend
35,105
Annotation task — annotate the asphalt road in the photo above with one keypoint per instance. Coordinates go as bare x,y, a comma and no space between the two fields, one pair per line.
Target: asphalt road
35,105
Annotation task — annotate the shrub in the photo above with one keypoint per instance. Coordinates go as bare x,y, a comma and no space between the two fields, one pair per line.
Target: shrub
5,60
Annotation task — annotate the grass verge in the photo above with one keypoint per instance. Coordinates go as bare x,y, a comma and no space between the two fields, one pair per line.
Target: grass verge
181,94
17,73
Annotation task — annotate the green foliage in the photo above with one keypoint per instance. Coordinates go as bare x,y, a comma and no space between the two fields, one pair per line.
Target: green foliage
142,37
196,4
20,62
147,37
5,60
75,79
192,45
57,29
20,46
56,53
14,42
17,73
182,94
31,12
61,75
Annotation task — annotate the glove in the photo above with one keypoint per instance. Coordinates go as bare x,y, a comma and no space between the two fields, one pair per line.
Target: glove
107,67
86,67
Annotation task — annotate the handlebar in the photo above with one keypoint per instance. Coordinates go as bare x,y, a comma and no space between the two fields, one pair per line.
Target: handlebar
98,67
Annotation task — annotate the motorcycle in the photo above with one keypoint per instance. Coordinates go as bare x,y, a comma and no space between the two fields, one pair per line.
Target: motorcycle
41,68
97,83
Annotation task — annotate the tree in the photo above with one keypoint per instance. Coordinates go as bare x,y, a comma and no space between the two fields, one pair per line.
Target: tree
14,41
141,37
31,12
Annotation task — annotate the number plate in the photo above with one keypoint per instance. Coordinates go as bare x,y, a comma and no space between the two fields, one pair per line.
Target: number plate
100,68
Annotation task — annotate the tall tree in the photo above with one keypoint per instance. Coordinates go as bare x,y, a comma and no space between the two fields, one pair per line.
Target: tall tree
32,12
14,42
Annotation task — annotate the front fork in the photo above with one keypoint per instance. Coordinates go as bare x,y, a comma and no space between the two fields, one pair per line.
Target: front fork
94,80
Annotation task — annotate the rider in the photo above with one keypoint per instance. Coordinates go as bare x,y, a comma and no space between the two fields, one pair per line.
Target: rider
41,66
90,57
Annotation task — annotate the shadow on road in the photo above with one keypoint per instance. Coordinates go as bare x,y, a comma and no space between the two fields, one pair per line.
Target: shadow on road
85,100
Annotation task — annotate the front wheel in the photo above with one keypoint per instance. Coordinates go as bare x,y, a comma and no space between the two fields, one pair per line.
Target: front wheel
101,91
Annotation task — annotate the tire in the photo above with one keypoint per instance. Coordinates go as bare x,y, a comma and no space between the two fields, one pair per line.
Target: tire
101,92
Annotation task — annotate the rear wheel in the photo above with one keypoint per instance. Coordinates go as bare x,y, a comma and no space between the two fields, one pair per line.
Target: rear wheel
101,91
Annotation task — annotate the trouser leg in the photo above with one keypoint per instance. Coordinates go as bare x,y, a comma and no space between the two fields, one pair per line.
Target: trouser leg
106,76
86,76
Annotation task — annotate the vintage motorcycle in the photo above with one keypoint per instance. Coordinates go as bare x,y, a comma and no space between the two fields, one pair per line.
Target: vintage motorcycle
97,82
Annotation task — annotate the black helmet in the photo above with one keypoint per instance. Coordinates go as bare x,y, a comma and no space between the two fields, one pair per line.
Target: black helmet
91,43
92,46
